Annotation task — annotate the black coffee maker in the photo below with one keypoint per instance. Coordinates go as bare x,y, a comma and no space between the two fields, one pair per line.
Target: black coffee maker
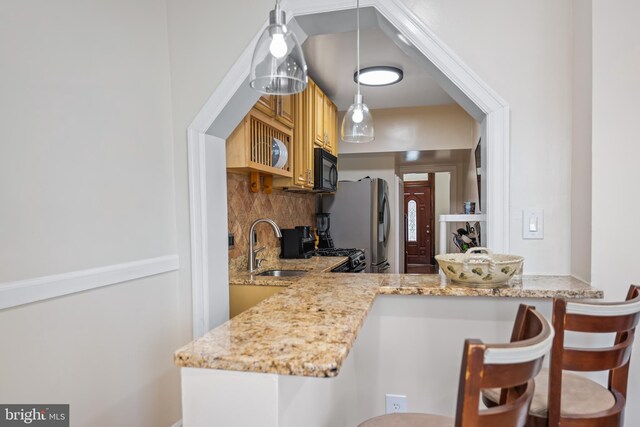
322,228
297,242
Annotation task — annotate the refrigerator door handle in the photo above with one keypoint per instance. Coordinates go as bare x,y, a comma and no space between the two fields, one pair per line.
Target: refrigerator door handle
387,215
383,268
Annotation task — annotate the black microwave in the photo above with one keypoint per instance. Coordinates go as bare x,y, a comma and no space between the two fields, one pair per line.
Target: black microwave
325,166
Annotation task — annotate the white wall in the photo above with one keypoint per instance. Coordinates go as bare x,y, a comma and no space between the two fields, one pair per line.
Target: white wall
523,51
581,142
86,178
416,128
443,202
201,53
616,65
470,173
352,168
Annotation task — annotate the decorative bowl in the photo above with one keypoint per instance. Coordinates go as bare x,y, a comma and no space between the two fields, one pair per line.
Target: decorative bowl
479,266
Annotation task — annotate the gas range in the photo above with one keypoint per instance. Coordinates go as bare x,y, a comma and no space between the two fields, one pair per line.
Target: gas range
355,264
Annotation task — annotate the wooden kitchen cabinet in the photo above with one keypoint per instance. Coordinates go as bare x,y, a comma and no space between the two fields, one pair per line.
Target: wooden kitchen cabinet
243,297
325,118
318,116
286,111
314,125
249,147
266,104
280,107
303,143
336,132
330,126
302,147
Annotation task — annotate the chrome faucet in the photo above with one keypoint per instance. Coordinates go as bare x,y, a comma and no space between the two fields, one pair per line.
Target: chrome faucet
254,263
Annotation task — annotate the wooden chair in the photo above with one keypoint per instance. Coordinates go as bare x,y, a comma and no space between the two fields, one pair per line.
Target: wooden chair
510,366
566,399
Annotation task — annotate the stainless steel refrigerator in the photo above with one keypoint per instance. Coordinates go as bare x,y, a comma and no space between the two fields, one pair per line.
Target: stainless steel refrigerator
360,218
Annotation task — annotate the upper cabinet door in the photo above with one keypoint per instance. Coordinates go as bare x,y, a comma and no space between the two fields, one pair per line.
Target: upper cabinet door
333,129
318,117
330,126
285,109
267,104
279,107
300,141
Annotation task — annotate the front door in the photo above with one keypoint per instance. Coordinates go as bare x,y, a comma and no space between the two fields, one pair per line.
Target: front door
419,239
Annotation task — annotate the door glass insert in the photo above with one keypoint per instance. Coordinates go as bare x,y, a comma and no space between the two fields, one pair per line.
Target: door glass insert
412,220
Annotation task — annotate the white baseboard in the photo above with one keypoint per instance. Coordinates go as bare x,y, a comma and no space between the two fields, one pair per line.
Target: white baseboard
41,288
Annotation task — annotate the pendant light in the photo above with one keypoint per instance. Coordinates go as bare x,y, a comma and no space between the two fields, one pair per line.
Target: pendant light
357,123
278,66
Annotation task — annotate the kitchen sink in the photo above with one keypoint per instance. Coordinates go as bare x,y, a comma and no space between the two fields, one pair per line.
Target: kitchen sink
282,273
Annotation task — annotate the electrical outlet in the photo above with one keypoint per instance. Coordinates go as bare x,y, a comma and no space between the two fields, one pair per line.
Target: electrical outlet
395,403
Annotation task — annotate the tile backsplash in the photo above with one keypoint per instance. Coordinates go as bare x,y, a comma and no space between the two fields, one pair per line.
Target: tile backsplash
287,209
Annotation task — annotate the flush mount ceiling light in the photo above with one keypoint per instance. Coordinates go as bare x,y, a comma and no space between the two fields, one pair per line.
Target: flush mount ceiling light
378,76
278,66
357,123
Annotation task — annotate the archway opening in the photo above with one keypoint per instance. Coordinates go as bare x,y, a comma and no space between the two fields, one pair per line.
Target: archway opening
234,98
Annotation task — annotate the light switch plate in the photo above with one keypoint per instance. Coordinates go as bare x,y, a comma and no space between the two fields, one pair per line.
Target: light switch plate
532,223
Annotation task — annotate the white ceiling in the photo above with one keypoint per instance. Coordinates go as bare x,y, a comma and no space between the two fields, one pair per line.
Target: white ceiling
331,59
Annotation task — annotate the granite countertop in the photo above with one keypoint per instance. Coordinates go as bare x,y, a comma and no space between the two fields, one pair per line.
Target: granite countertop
528,287
309,328
313,265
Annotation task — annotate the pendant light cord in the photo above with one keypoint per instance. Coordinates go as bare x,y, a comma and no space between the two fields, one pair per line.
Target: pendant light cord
358,41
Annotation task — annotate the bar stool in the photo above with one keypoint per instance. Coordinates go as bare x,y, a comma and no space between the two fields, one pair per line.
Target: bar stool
511,367
564,398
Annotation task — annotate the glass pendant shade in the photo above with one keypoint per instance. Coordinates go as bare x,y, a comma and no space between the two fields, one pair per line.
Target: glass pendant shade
357,123
278,66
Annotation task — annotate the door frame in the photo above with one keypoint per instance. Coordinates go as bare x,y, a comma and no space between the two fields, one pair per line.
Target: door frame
432,176
452,169
208,231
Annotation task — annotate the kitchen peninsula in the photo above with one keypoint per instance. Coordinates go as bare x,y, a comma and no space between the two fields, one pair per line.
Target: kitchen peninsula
275,357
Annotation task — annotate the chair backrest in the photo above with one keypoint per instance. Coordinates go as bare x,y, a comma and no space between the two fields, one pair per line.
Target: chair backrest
620,318
511,367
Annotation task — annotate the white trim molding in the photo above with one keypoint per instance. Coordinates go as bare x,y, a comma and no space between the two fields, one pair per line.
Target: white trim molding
21,292
463,84
199,241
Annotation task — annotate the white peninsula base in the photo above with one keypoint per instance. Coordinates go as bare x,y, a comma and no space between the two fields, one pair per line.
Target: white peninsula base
409,345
